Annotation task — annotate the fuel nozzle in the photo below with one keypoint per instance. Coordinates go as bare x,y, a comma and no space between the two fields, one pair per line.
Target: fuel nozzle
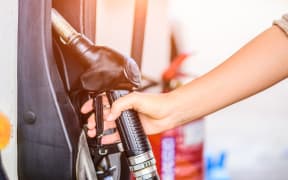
63,28
119,71
111,72
70,37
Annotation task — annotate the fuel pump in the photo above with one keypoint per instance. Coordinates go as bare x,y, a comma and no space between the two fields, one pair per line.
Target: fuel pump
107,71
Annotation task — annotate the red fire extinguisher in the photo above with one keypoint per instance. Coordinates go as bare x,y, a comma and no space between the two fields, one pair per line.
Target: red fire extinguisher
179,152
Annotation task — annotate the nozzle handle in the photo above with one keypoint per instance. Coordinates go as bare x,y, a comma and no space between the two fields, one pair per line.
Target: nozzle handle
130,128
135,143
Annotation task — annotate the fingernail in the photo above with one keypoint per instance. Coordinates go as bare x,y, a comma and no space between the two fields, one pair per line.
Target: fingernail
110,117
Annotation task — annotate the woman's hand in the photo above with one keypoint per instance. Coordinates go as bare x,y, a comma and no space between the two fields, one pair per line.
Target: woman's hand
154,111
91,124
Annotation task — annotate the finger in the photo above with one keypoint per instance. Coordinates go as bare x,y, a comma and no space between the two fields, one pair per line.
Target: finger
87,107
91,124
91,133
122,104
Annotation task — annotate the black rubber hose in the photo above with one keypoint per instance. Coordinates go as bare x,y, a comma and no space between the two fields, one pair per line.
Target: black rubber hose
130,128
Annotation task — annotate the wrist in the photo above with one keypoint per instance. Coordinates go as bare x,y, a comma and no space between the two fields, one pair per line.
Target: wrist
182,106
175,112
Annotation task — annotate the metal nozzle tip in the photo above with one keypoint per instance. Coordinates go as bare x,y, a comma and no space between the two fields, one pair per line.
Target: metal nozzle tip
62,27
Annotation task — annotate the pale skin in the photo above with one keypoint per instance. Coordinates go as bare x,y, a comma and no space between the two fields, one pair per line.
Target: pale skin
258,65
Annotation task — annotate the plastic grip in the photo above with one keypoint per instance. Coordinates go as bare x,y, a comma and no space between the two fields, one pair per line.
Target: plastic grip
130,128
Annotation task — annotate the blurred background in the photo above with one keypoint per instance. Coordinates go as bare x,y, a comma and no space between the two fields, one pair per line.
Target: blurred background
253,134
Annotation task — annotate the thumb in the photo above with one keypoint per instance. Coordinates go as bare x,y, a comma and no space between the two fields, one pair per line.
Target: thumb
122,104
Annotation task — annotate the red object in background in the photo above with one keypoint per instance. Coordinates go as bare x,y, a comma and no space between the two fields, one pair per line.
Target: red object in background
172,70
179,152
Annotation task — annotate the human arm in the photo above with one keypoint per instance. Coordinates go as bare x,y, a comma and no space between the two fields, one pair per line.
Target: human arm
255,67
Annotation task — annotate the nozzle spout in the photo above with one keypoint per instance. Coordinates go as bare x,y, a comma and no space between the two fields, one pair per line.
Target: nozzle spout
63,28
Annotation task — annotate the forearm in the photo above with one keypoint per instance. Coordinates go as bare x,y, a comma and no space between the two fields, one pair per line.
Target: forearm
255,67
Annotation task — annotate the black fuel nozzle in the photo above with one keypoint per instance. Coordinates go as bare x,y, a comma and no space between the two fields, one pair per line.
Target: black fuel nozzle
111,72
106,69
